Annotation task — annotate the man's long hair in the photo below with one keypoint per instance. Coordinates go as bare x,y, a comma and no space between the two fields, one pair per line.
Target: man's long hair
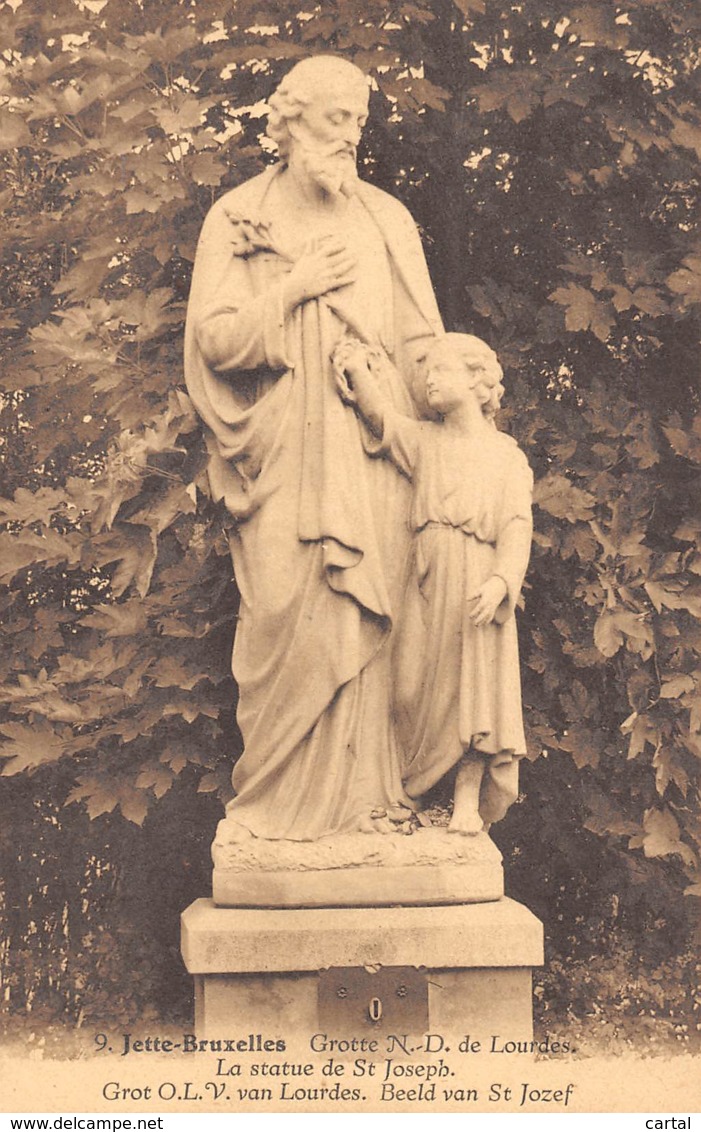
298,89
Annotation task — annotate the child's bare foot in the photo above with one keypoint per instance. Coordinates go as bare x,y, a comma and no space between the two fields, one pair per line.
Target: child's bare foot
466,817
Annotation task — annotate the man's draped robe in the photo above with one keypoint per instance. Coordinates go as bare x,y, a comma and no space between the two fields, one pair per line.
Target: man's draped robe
321,546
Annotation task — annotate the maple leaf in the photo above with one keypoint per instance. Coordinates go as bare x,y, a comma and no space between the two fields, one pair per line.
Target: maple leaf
151,314
132,107
467,7
608,636
584,744
584,311
29,747
47,634
133,548
13,130
138,200
101,664
42,696
175,625
123,620
207,169
102,793
687,134
425,93
415,14
155,776
17,551
622,298
189,709
167,507
579,539
686,442
74,340
642,731
667,769
686,281
664,596
676,686
33,506
596,23
649,301
604,816
216,782
557,495
170,672
178,755
162,45
179,119
120,482
643,443
511,89
615,627
85,278
661,837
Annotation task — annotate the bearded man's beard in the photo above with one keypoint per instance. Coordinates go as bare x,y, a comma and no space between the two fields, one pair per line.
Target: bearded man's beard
334,170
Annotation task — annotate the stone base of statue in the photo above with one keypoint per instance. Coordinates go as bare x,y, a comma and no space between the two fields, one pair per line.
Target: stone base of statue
294,972
431,866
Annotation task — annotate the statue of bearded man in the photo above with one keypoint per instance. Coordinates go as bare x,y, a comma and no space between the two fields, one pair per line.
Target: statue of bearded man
288,263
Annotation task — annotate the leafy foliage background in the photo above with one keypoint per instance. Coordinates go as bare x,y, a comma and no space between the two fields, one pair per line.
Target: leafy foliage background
549,151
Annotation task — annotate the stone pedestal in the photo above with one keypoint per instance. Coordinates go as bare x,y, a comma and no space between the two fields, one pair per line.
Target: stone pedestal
356,870
262,969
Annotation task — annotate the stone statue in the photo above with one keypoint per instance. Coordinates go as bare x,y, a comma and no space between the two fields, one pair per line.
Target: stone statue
458,680
289,264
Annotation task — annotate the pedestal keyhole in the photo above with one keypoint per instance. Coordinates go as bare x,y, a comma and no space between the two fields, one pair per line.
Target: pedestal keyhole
355,999
375,1009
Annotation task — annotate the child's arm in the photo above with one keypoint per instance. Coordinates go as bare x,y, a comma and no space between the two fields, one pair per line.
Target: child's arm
361,377
355,366
496,598
483,604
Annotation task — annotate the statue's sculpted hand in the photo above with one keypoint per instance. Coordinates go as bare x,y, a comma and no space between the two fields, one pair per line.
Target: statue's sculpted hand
352,364
487,600
325,268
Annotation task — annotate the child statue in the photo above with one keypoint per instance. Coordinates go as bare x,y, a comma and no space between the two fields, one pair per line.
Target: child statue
458,692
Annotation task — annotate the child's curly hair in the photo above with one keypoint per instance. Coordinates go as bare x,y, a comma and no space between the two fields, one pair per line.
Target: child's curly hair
479,359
